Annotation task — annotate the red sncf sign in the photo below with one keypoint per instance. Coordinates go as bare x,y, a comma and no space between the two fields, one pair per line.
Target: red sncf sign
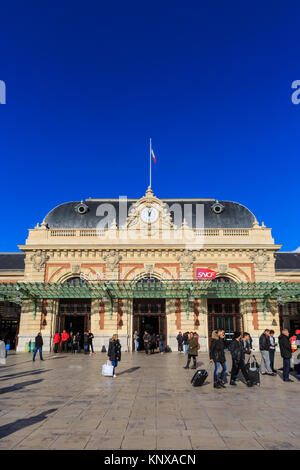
203,273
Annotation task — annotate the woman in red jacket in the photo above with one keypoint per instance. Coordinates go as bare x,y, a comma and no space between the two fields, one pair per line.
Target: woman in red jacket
56,341
64,340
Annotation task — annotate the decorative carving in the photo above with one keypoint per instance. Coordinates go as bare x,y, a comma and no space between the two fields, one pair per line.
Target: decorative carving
75,268
112,259
149,268
260,259
223,268
186,259
39,259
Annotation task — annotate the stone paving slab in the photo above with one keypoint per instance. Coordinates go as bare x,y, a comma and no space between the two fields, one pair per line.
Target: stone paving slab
67,404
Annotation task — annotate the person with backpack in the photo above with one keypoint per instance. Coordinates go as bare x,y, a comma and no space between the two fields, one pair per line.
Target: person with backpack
264,347
217,356
193,351
286,353
114,352
180,342
38,346
238,359
56,341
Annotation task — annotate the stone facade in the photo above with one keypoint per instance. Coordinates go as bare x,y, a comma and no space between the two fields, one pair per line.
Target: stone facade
138,248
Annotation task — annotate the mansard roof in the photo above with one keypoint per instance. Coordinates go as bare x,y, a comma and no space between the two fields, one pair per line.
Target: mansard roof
12,261
287,261
233,214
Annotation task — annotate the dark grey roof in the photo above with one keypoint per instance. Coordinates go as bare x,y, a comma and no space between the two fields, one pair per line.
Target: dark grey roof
287,261
234,214
12,261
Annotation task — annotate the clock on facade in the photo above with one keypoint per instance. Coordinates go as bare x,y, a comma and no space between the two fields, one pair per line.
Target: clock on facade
149,214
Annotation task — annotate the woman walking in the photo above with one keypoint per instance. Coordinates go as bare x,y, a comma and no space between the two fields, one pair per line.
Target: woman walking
193,350
114,351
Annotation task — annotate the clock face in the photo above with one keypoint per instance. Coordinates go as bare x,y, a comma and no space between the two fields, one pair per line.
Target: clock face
149,214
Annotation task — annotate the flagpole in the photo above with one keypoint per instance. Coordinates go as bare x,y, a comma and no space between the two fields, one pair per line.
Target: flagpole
150,162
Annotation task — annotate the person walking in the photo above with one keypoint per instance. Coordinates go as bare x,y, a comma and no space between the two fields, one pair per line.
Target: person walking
91,348
185,341
286,354
264,347
146,339
136,340
246,345
238,359
38,346
272,350
86,342
217,356
193,351
180,342
56,341
153,343
114,352
64,341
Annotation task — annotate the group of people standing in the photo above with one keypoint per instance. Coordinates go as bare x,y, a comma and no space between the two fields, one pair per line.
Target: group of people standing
240,346
151,342
66,342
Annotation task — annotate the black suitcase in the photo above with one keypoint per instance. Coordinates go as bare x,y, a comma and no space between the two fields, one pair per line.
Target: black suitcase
253,371
199,378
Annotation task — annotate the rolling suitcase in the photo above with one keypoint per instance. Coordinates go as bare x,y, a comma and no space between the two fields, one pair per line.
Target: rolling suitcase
253,371
199,378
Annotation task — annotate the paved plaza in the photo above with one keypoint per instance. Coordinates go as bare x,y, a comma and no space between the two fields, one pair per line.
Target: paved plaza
65,403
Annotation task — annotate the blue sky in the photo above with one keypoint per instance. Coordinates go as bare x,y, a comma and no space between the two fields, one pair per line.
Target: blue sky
89,82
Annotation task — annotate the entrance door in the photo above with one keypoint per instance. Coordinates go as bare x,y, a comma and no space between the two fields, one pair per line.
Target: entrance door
225,314
149,315
74,316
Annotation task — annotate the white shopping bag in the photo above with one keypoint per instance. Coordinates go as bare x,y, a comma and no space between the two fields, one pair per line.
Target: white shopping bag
107,369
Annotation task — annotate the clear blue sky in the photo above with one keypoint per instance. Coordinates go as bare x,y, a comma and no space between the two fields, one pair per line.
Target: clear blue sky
89,82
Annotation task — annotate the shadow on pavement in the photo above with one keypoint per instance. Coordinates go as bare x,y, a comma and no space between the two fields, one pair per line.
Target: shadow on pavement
19,386
10,428
128,371
24,374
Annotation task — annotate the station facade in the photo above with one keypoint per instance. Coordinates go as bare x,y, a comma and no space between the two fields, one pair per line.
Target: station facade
132,249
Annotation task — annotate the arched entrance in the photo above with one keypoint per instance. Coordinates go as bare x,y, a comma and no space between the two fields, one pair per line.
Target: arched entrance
149,315
224,313
74,315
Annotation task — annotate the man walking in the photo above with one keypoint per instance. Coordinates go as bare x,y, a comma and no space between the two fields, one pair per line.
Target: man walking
136,341
161,342
185,342
286,354
38,346
264,347
238,359
217,355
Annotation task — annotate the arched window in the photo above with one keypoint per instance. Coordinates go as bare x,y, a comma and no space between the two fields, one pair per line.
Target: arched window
75,280
222,279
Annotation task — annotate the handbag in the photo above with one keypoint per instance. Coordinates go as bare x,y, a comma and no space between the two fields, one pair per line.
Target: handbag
107,369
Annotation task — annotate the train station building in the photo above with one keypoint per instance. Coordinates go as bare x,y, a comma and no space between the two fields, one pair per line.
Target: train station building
161,265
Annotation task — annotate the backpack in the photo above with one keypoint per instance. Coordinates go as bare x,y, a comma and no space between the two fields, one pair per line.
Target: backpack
168,349
103,349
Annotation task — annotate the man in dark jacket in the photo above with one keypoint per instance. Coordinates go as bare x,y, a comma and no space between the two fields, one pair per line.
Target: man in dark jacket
146,339
185,341
91,337
114,351
217,355
180,342
264,347
38,346
286,354
86,342
193,351
238,359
